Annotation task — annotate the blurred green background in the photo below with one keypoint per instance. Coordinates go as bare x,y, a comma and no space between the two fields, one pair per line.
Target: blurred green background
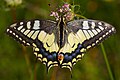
19,63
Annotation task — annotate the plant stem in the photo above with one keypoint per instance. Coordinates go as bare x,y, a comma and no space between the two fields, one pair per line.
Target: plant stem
35,71
107,63
28,62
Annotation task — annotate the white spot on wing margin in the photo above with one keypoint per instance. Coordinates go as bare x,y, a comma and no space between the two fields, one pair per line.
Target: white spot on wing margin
36,24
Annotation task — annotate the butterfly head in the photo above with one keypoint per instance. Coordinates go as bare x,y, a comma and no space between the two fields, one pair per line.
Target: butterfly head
64,12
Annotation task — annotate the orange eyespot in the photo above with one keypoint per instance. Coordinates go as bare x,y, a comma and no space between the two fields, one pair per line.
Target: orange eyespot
60,57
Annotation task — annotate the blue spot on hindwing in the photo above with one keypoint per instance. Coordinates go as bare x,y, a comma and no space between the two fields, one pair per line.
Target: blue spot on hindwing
73,54
54,55
45,54
66,58
70,58
77,51
49,57
79,46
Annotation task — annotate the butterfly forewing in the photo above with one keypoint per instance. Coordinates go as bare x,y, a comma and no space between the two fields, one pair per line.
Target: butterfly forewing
27,32
90,32
41,35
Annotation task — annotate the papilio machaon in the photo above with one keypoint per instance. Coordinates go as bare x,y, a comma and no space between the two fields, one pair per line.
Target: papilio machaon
60,43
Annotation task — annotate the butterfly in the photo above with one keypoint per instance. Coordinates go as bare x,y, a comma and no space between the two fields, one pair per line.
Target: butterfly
60,43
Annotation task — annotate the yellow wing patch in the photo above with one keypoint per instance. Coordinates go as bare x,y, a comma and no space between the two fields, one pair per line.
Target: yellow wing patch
48,41
71,43
42,35
81,36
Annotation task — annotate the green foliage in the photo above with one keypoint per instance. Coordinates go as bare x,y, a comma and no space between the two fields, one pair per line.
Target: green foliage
19,63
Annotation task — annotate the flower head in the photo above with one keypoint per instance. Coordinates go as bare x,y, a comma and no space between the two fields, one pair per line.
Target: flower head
55,14
63,11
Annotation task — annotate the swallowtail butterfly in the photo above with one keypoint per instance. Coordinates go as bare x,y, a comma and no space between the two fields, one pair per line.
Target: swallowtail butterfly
62,42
